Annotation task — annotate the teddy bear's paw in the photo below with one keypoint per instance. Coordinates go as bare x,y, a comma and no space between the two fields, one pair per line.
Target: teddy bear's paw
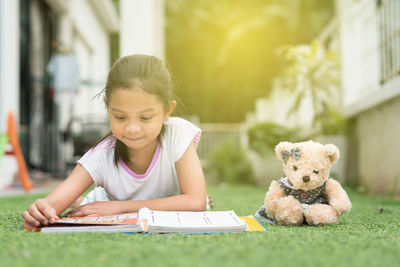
272,197
289,211
320,214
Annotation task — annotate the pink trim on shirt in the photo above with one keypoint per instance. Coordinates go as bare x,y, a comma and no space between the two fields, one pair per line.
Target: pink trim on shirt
109,142
141,176
190,127
197,139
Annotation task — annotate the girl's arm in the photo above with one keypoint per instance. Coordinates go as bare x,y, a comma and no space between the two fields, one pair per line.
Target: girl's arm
46,210
191,184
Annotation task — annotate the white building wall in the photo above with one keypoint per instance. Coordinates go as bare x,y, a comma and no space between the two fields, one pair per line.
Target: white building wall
83,33
359,50
378,131
359,35
275,108
9,60
374,107
142,27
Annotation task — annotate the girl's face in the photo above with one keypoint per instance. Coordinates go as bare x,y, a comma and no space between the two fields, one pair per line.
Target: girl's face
136,117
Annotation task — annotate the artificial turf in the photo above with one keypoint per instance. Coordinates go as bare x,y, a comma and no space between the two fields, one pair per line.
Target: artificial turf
368,236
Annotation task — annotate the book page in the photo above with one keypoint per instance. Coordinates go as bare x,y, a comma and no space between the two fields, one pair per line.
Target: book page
162,218
128,218
223,218
194,219
179,219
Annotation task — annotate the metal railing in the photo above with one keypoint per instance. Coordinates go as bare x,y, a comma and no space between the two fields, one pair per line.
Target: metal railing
215,134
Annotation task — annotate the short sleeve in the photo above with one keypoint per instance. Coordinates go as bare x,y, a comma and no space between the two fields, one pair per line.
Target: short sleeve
179,133
96,158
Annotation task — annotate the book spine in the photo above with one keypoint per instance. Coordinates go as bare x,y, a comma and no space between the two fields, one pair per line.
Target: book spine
143,219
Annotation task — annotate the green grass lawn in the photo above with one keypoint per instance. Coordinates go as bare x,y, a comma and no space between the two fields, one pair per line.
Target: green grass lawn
368,236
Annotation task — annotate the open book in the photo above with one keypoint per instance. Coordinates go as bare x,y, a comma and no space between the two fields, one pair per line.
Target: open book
150,221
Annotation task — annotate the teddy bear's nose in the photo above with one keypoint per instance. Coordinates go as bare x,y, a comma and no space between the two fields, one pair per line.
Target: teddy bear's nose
306,179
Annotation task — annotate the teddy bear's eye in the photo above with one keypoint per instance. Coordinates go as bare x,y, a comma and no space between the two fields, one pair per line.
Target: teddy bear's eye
316,171
295,167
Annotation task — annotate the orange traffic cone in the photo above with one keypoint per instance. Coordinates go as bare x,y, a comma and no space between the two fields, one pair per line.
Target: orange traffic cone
12,134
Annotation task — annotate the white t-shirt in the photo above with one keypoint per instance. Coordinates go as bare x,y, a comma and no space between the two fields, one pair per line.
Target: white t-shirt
160,179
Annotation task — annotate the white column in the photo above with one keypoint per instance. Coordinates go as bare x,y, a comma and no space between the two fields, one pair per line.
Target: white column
9,60
142,27
66,31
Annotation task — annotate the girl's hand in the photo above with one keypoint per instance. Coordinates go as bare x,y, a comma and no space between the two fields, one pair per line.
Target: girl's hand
97,208
44,211
38,213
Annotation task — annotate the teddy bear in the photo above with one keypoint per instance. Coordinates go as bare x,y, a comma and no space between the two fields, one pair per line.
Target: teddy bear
307,195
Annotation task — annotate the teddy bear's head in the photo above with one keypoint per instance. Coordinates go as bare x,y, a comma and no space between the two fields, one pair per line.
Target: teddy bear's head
306,164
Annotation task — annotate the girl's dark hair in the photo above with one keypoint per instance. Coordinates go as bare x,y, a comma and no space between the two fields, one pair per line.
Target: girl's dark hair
142,71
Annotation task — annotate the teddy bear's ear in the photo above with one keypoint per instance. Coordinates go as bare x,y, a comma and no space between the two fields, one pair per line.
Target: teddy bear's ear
282,146
332,152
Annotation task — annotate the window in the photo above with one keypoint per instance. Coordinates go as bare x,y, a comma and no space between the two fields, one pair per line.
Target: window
389,34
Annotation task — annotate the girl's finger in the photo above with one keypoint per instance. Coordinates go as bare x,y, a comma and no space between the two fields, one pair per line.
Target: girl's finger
35,213
48,212
29,219
81,211
73,213
93,215
28,226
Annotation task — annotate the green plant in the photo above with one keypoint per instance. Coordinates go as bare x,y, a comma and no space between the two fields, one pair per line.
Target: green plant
263,137
332,122
234,42
230,163
313,72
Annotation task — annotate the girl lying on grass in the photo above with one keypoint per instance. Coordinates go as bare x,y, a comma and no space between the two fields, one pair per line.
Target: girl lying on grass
148,159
